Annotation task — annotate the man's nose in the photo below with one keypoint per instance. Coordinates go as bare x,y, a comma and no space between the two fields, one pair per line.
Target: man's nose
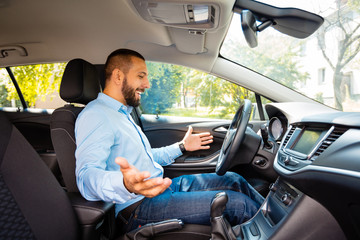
146,83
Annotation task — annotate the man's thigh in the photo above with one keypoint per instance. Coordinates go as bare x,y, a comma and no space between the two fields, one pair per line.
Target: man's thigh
209,182
192,207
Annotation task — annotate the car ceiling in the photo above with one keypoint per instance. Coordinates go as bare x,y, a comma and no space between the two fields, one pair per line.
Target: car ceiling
58,31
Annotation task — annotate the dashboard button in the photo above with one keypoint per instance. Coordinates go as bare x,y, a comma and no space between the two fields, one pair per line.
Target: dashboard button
273,187
292,162
284,159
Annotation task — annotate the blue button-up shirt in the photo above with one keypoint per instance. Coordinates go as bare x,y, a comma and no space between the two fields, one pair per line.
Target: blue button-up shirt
105,130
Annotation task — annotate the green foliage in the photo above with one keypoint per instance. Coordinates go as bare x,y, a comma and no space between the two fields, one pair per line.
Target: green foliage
36,81
165,81
263,59
237,95
4,78
4,102
187,92
354,5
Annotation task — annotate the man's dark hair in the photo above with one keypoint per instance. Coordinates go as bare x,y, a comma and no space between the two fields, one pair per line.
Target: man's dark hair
121,59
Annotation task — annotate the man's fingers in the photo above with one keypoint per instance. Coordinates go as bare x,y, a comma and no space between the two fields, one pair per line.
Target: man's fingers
204,134
190,130
152,187
126,168
156,190
206,142
139,182
141,176
151,183
207,137
122,162
205,147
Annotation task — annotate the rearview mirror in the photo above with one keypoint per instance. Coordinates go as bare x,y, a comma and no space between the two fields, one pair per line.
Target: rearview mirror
248,25
290,21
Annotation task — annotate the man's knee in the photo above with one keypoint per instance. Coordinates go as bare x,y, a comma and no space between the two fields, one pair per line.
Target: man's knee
236,177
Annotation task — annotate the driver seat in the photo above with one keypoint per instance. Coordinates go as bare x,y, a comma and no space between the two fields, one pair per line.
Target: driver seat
81,84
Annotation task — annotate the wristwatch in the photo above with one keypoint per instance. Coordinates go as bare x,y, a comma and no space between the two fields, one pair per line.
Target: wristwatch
182,147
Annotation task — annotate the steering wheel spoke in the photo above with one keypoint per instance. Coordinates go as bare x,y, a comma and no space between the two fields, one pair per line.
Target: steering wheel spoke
228,140
234,137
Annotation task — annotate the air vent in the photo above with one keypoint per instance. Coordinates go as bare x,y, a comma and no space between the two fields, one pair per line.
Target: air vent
288,136
335,134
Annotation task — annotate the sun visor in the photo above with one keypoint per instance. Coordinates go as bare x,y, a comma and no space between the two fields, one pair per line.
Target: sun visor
179,15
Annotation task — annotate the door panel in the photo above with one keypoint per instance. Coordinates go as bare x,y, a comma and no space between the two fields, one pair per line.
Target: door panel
163,131
167,131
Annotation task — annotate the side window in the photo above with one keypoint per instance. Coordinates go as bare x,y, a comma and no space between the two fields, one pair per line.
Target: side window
185,92
8,100
39,85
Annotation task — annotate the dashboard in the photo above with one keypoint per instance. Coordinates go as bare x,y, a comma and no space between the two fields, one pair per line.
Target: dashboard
319,154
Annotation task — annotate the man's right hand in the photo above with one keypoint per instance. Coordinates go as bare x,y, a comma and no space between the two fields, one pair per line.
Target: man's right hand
137,182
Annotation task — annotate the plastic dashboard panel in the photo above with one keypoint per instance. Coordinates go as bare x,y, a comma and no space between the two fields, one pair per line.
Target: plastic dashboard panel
333,178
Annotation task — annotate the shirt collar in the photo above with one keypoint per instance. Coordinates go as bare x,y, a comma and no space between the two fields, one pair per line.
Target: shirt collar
114,104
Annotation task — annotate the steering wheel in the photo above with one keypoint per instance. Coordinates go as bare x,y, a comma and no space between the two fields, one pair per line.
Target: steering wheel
234,137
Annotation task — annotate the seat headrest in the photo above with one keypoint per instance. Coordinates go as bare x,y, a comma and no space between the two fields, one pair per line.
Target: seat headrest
80,82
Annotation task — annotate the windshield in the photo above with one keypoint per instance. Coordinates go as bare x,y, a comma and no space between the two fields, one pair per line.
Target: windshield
324,66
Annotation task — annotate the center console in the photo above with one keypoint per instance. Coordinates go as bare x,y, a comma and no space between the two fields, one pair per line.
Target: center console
287,213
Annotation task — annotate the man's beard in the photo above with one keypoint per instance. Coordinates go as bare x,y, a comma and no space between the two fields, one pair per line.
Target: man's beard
130,94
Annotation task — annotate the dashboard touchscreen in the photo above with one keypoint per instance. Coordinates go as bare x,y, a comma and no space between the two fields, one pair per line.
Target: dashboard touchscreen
307,141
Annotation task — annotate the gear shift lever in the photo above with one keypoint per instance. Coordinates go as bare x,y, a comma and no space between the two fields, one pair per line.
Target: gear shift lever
220,227
218,204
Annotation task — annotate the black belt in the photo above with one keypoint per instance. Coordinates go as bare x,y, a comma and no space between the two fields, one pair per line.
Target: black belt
126,212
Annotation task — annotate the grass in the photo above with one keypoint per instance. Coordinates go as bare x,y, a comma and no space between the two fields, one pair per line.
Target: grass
201,112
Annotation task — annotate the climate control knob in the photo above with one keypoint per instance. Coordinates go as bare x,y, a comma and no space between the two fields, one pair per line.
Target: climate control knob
286,199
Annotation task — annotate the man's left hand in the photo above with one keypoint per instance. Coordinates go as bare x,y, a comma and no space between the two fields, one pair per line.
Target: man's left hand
193,142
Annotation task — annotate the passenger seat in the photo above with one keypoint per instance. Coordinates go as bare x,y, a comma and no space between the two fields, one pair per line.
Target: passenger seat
33,204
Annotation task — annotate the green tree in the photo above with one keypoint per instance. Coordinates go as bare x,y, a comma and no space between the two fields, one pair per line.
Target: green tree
4,102
35,81
4,78
237,95
173,85
165,81
267,55
217,92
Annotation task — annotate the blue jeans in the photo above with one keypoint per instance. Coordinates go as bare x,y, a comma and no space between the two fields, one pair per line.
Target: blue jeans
189,197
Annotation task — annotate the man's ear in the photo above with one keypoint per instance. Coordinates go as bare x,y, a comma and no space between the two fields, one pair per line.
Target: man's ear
118,76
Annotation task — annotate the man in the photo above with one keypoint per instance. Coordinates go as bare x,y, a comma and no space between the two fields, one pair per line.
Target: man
115,162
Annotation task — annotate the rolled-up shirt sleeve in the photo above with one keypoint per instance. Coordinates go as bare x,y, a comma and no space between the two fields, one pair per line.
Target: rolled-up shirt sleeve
166,155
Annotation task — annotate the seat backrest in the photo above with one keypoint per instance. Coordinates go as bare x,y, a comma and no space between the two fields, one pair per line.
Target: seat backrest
80,84
33,204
